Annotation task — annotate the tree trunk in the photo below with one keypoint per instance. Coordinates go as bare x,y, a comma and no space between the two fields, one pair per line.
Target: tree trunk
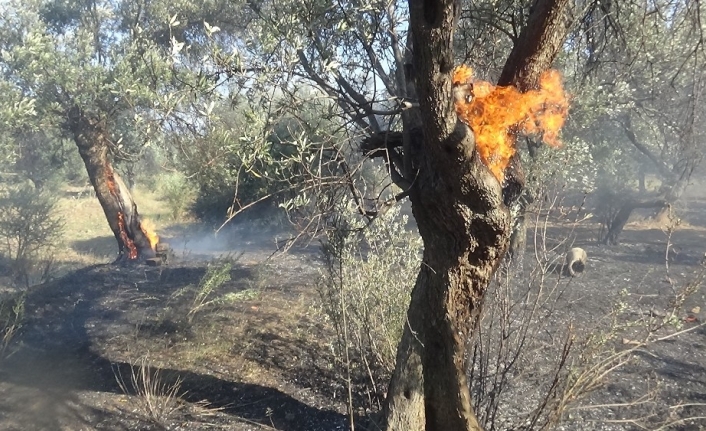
617,223
674,192
641,186
462,215
533,52
518,241
134,240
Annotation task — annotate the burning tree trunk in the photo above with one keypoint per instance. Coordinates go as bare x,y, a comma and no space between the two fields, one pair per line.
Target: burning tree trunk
135,241
533,52
462,213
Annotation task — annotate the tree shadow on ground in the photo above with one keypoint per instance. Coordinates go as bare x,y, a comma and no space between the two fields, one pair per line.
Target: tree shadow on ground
54,354
59,374
22,409
101,247
674,368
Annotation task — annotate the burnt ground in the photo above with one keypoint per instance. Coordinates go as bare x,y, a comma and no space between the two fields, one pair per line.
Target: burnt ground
265,362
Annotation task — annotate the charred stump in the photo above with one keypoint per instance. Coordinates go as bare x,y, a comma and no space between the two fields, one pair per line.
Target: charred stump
135,241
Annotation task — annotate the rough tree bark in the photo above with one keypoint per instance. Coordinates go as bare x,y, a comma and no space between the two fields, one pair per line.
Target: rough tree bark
533,52
462,214
120,210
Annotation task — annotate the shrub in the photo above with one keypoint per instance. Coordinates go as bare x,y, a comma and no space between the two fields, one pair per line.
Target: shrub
29,230
156,397
364,289
209,292
232,165
178,192
12,312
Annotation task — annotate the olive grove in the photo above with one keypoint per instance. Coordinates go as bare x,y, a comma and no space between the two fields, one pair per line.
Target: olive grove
310,108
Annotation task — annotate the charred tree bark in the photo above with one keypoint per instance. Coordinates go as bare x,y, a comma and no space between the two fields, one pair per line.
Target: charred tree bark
120,210
533,52
462,214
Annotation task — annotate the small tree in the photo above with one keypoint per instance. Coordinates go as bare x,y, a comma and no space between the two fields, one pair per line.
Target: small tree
364,288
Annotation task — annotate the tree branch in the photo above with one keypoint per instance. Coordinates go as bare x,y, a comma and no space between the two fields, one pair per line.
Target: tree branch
659,163
542,38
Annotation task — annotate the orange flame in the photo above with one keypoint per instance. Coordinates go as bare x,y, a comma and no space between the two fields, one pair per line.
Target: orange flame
148,228
131,248
497,114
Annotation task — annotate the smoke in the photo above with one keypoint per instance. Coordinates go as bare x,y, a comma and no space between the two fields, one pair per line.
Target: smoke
244,237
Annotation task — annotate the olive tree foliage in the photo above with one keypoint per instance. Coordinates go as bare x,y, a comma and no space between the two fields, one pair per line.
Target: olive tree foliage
357,55
246,158
121,63
15,111
638,103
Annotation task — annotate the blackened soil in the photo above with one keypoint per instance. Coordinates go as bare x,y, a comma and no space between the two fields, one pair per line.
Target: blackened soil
264,361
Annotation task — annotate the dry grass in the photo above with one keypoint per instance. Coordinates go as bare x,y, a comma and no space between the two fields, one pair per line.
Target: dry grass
155,398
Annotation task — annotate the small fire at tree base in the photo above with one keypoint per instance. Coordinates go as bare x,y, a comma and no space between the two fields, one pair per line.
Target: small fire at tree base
162,251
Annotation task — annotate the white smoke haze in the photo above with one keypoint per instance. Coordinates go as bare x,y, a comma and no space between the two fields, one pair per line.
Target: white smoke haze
247,237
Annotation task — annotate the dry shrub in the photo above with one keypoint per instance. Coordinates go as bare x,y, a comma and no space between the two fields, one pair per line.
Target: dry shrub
157,399
12,313
532,361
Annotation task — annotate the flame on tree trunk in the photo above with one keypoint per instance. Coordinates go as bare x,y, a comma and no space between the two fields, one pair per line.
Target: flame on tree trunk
136,240
460,200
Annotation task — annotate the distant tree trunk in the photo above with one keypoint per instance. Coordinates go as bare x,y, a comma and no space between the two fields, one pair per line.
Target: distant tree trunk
130,175
462,215
675,179
614,226
120,210
518,238
673,193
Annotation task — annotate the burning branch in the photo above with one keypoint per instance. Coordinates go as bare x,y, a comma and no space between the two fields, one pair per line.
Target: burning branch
498,114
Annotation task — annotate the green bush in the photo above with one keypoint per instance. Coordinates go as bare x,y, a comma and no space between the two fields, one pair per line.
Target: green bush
365,289
232,165
178,192
29,230
209,293
246,159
